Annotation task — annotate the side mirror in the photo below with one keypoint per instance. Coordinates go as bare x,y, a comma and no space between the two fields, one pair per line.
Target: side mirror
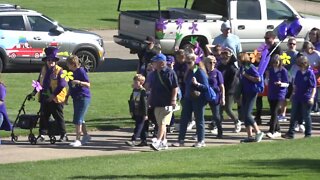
57,30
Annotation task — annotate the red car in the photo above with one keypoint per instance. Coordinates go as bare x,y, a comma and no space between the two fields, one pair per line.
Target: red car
24,51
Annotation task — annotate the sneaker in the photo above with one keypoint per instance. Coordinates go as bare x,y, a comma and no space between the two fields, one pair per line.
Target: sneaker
178,144
154,139
199,144
315,113
85,139
237,127
156,146
287,136
194,137
41,138
247,140
259,136
270,135
191,124
214,131
302,129
164,146
131,143
296,128
63,138
307,136
143,143
76,143
277,134
282,118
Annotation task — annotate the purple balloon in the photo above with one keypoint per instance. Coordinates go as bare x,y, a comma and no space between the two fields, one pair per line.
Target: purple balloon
294,28
282,31
265,58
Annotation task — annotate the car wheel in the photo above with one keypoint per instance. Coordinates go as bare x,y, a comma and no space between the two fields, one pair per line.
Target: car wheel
87,60
1,65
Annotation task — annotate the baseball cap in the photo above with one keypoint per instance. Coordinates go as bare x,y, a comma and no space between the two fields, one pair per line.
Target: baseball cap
159,57
225,25
170,59
149,40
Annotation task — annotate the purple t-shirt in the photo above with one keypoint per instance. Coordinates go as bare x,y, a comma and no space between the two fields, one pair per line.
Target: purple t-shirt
247,86
304,84
6,125
215,80
276,92
180,69
78,91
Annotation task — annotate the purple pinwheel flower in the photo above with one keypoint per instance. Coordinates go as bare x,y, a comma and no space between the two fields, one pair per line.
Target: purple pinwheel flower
179,23
36,85
161,24
193,27
199,52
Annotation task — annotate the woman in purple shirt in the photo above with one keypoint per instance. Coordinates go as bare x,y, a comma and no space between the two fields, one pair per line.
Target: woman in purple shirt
5,123
278,85
304,89
249,77
215,80
80,93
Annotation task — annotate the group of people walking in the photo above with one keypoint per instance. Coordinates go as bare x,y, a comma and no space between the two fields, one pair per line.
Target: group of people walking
234,77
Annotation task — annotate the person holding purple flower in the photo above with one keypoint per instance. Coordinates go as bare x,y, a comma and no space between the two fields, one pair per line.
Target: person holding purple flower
53,94
79,89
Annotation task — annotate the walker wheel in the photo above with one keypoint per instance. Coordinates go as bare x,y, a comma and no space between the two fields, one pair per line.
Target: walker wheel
14,138
31,137
53,140
33,140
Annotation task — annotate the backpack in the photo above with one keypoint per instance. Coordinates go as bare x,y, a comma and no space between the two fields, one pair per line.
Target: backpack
210,94
259,86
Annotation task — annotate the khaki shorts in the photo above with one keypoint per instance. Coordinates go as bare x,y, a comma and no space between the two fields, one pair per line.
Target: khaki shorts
163,116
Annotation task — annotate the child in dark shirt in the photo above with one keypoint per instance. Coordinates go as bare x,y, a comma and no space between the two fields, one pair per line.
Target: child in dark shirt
138,109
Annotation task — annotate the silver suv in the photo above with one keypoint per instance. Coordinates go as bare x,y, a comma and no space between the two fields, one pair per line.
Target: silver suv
25,33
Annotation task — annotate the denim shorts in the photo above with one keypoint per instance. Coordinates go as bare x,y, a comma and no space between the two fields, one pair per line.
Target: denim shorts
80,107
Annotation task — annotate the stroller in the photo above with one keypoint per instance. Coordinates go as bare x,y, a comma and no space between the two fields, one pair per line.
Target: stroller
29,121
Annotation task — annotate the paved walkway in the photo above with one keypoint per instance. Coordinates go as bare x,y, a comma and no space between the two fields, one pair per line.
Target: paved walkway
113,142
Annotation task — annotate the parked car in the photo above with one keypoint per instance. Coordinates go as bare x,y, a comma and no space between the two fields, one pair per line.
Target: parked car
249,19
25,33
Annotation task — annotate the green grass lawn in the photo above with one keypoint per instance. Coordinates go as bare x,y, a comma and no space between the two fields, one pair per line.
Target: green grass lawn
108,108
291,159
94,14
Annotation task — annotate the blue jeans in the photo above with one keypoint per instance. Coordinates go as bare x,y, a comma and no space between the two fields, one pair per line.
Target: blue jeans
300,111
80,107
138,129
215,109
247,106
189,106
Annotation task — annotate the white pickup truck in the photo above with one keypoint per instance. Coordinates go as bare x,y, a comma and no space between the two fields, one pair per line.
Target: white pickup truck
250,19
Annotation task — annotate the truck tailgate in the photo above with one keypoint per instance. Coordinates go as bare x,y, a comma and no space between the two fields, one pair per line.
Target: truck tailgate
136,26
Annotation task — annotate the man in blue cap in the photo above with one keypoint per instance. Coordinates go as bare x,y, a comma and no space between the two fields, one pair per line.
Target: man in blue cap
164,89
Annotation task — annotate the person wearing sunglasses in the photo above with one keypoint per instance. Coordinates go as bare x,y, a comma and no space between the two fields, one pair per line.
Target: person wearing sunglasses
215,80
304,90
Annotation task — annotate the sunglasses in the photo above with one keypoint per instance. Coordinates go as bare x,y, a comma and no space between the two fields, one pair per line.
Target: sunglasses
212,62
292,44
189,62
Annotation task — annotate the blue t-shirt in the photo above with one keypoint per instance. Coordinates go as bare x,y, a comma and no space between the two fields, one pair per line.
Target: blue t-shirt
304,83
232,42
215,80
78,91
161,91
247,86
276,92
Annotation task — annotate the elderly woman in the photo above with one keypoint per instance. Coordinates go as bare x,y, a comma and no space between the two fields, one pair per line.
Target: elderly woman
196,83
215,79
